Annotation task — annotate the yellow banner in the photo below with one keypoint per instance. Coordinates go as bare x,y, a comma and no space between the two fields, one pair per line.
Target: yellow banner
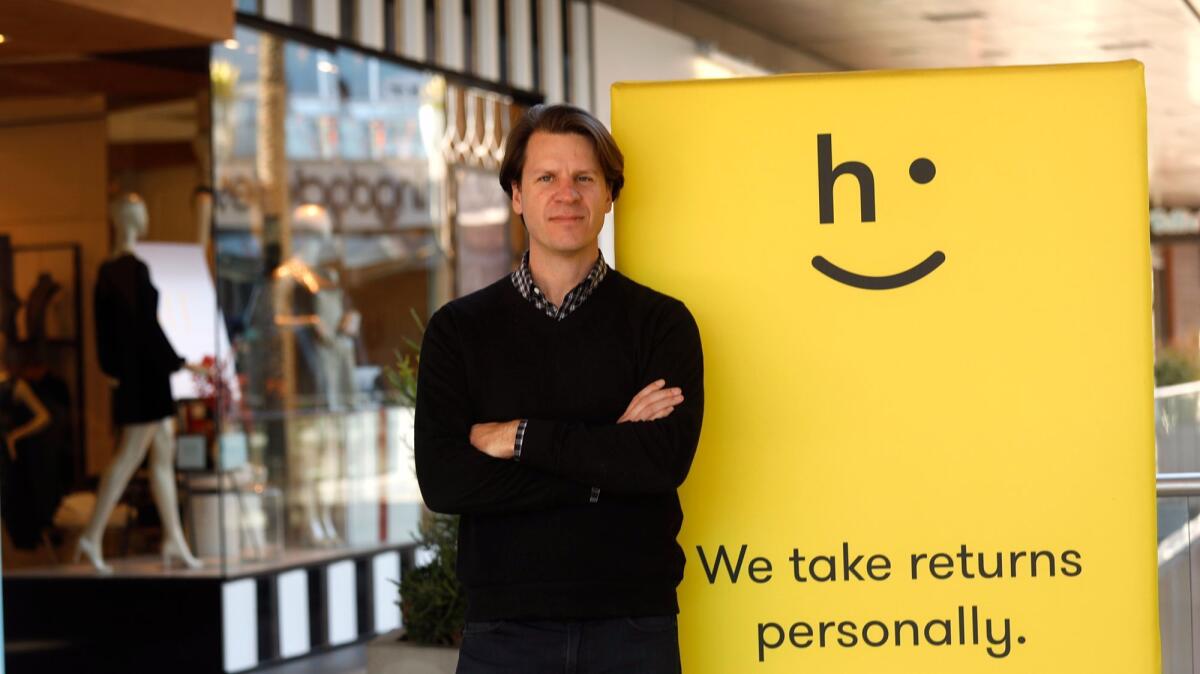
925,304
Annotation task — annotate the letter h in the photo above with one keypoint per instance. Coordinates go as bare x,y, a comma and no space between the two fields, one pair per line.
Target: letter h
827,173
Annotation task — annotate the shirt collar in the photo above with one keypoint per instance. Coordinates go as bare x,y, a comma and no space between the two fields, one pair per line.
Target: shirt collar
522,278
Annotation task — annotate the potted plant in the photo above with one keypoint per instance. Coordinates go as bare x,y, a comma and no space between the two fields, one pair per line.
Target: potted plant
432,603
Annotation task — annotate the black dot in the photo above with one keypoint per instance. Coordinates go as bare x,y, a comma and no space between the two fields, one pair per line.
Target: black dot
922,170
1020,640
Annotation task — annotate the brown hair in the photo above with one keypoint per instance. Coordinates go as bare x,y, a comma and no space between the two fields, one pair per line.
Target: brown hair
562,119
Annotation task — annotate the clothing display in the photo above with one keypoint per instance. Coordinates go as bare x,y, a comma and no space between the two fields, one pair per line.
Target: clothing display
32,485
534,541
131,344
325,372
38,303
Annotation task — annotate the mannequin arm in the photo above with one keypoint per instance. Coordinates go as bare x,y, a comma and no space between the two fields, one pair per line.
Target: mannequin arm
41,417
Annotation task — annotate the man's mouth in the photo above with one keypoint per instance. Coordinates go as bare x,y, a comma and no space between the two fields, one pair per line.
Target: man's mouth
911,275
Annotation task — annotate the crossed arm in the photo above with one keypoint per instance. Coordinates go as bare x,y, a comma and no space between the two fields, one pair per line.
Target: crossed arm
656,401
465,466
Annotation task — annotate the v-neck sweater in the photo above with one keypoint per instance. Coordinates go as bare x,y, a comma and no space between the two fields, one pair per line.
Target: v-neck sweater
531,544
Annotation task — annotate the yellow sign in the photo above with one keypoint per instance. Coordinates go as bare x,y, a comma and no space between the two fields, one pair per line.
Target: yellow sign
925,305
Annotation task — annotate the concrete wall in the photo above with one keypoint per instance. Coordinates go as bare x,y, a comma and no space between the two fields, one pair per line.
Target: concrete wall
722,33
665,40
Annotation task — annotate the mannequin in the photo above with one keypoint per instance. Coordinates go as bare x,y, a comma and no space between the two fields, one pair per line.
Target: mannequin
138,360
39,302
15,491
17,391
325,332
35,417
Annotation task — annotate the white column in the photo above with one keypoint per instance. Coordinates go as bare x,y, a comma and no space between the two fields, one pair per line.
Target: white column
520,45
327,17
385,572
370,23
411,40
550,38
581,55
294,637
277,10
450,34
342,602
485,16
239,624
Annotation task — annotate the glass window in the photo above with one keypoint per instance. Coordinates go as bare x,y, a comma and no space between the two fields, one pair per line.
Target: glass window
331,247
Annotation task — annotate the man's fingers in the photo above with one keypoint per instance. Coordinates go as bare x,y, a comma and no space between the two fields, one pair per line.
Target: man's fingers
650,388
634,404
654,403
638,410
651,412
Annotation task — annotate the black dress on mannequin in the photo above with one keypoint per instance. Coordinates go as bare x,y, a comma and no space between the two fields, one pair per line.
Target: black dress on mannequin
131,344
31,485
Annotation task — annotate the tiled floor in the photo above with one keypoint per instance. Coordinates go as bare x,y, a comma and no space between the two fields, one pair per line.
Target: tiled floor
349,660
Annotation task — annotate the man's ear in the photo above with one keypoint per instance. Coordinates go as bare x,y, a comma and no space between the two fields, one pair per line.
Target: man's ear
516,199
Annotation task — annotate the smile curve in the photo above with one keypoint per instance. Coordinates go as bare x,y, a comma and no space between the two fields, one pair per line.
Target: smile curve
912,275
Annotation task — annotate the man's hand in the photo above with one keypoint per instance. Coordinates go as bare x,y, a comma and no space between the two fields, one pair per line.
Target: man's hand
653,402
495,439
498,439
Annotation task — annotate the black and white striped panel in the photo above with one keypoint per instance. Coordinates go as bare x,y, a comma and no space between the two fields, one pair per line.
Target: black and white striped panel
542,46
287,614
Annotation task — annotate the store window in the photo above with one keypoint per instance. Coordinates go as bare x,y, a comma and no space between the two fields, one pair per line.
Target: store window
328,209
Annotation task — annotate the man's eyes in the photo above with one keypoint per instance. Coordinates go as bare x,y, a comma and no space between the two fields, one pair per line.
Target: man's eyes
548,177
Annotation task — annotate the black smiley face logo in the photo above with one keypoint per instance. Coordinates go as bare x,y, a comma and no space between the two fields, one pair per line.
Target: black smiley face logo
922,171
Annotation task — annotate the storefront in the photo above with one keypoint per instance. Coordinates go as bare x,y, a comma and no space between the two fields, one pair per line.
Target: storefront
301,205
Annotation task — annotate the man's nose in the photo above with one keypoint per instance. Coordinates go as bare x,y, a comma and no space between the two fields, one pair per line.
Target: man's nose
567,193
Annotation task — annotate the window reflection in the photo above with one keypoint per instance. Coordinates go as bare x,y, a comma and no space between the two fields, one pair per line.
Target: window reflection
317,297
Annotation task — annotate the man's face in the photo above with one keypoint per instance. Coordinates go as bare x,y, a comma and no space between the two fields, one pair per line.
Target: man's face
563,195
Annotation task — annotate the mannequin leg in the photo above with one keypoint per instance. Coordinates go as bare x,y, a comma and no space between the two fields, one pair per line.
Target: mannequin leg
332,430
162,486
303,468
135,439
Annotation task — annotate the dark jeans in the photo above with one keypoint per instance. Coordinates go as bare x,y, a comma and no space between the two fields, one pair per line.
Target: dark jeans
648,645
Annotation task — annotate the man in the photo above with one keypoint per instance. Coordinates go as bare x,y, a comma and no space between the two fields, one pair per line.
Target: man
558,410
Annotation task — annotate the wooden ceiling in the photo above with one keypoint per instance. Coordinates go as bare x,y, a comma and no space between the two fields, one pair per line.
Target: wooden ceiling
39,28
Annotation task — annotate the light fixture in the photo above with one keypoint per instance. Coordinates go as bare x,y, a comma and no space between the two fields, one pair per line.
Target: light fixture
1126,45
705,69
326,66
711,62
955,15
231,44
3,39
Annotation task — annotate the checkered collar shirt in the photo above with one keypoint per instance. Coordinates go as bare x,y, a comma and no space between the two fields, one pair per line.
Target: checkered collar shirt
522,278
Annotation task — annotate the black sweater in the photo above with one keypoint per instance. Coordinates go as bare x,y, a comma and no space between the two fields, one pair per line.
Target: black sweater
531,545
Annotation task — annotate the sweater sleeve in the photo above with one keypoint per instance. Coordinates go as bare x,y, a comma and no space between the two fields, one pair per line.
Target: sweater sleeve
164,354
454,476
105,318
633,457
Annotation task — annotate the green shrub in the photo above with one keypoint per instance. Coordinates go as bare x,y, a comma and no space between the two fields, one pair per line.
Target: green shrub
431,598
432,601
1172,366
